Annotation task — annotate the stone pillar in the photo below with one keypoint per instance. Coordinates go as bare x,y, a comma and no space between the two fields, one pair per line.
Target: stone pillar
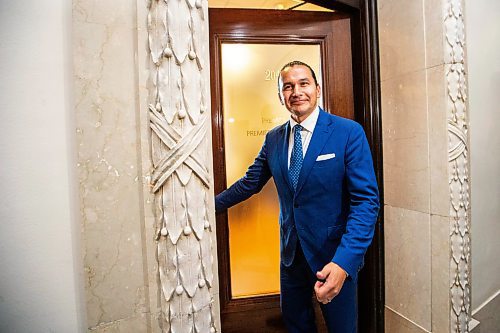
424,114
145,166
179,114
458,164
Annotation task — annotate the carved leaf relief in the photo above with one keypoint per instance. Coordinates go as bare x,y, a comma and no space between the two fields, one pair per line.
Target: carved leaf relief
180,178
181,317
458,165
168,90
158,38
178,28
189,261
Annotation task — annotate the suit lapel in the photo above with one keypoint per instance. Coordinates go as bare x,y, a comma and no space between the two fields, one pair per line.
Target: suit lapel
321,133
283,158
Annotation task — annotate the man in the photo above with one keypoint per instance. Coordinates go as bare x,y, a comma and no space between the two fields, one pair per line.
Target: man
323,171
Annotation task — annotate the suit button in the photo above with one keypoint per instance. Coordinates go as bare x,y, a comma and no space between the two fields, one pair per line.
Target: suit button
296,205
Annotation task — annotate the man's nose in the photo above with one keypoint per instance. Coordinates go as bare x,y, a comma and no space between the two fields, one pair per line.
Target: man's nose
296,90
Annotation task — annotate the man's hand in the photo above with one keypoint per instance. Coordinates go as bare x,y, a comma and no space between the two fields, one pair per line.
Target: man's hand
333,276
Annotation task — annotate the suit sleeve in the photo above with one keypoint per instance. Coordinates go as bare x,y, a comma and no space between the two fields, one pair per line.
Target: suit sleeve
254,180
363,202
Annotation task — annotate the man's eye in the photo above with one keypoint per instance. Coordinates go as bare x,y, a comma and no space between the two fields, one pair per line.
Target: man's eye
303,84
287,87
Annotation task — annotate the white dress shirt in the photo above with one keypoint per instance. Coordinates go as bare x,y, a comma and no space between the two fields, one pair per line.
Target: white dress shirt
308,126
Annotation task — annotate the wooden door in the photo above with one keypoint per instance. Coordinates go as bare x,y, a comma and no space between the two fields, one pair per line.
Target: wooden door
332,33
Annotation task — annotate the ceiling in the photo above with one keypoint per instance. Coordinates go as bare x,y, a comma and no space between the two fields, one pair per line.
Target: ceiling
265,4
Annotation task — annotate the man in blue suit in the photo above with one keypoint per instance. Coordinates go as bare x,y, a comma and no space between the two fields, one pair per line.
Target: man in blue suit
323,171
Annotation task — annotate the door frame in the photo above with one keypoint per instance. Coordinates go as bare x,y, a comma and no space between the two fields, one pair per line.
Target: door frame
333,46
365,57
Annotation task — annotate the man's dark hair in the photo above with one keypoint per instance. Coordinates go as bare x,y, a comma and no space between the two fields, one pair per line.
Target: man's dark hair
297,63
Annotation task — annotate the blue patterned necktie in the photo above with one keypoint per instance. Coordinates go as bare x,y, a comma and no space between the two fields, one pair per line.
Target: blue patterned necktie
296,158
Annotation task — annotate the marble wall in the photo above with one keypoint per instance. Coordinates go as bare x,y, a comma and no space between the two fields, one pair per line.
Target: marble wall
423,92
109,164
115,85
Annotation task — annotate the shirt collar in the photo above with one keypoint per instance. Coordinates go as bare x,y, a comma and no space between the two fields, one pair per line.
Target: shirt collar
309,123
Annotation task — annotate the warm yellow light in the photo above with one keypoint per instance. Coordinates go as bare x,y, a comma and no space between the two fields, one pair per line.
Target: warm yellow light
250,110
235,56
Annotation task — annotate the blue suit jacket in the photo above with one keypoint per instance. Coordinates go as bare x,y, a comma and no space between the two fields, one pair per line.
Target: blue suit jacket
335,206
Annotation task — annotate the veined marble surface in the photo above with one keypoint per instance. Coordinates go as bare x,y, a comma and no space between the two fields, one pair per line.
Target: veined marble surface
109,167
120,221
425,126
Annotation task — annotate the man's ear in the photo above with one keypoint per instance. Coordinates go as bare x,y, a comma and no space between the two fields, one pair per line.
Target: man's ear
280,92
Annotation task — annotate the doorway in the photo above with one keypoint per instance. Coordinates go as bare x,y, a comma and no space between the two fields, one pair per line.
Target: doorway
257,310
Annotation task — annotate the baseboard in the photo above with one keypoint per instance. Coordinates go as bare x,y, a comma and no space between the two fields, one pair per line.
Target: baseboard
487,315
474,326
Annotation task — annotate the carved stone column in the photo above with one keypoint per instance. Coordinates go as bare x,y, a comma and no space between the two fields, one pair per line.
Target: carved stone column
458,168
179,113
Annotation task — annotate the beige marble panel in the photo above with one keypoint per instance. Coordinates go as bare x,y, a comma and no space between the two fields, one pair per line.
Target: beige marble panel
395,323
150,246
109,174
401,33
434,33
405,142
438,138
408,264
440,248
133,324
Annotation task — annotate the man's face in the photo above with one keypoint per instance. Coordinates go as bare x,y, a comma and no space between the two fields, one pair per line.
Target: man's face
298,91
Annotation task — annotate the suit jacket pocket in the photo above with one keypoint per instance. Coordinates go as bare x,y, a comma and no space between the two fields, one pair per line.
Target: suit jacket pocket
336,232
329,163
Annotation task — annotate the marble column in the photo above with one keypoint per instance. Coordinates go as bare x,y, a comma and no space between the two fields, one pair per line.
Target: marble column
145,166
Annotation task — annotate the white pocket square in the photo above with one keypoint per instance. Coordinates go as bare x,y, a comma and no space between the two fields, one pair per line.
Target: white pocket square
325,157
